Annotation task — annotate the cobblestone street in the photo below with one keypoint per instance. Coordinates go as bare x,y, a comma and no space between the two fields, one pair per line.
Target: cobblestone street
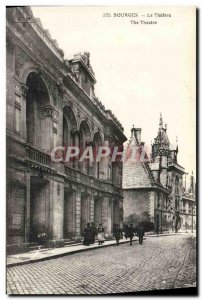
160,263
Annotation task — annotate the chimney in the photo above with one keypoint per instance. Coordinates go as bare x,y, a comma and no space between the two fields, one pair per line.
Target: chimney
138,135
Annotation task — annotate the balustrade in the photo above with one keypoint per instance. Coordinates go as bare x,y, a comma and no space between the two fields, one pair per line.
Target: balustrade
37,155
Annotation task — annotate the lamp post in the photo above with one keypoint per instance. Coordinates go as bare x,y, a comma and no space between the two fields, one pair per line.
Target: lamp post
157,220
161,221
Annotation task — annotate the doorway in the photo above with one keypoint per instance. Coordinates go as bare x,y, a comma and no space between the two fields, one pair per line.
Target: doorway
97,211
68,227
39,199
84,211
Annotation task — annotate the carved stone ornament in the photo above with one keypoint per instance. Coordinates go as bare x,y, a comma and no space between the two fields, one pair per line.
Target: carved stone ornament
78,113
20,59
61,89
49,111
24,89
40,69
69,103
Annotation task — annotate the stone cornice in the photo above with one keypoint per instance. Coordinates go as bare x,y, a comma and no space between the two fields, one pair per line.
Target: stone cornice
151,188
42,33
58,72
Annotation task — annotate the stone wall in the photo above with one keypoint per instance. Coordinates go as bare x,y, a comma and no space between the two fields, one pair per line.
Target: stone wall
135,203
15,214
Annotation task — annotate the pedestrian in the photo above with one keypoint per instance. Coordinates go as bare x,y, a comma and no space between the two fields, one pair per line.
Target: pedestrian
117,234
140,233
101,234
130,233
87,235
126,231
93,233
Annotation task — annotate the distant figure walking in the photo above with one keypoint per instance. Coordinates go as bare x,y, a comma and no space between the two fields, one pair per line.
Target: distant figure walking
117,234
130,233
101,234
126,231
140,233
87,235
93,233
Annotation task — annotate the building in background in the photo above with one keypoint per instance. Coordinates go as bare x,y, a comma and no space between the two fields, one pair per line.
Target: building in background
188,207
51,102
153,186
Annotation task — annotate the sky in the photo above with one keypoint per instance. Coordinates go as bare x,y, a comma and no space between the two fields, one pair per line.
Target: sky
142,70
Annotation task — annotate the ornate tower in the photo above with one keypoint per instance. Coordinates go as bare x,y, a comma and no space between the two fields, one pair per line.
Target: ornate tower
161,152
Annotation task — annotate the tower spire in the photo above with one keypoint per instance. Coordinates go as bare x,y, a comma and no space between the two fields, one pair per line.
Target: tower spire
160,121
133,139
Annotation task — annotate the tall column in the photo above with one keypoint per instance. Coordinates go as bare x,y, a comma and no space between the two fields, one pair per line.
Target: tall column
112,215
116,212
23,111
110,222
78,212
47,127
50,231
58,210
106,215
76,144
27,208
92,206
97,210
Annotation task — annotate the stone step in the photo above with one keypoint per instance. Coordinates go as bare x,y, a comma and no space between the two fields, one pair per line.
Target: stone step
71,242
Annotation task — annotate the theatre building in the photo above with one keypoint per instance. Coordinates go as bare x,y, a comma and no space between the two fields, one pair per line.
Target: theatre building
51,103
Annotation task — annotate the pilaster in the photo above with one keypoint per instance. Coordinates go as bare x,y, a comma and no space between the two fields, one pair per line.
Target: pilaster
78,212
92,206
27,208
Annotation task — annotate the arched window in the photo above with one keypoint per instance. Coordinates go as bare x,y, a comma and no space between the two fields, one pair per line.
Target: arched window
37,124
97,141
84,138
69,128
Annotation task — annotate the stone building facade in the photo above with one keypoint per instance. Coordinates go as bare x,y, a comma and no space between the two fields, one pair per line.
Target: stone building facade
188,207
153,185
51,103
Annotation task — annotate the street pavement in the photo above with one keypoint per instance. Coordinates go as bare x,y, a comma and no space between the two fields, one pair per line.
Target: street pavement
163,262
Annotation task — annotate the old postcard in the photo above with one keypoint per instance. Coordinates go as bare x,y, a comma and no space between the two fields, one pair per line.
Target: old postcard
101,150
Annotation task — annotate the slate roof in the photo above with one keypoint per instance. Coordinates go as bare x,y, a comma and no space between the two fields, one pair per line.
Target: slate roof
135,174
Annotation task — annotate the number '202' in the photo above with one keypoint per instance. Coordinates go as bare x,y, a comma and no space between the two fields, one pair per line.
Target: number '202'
106,15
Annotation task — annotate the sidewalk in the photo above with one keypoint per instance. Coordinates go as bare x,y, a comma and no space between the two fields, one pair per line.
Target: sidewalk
51,253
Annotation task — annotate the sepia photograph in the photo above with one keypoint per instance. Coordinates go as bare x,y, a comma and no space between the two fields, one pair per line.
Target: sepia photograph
101,175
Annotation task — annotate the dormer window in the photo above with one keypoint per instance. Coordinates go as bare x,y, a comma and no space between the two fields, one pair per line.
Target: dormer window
82,68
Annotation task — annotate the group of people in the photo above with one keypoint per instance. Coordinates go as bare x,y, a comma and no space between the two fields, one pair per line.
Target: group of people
129,232
90,232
